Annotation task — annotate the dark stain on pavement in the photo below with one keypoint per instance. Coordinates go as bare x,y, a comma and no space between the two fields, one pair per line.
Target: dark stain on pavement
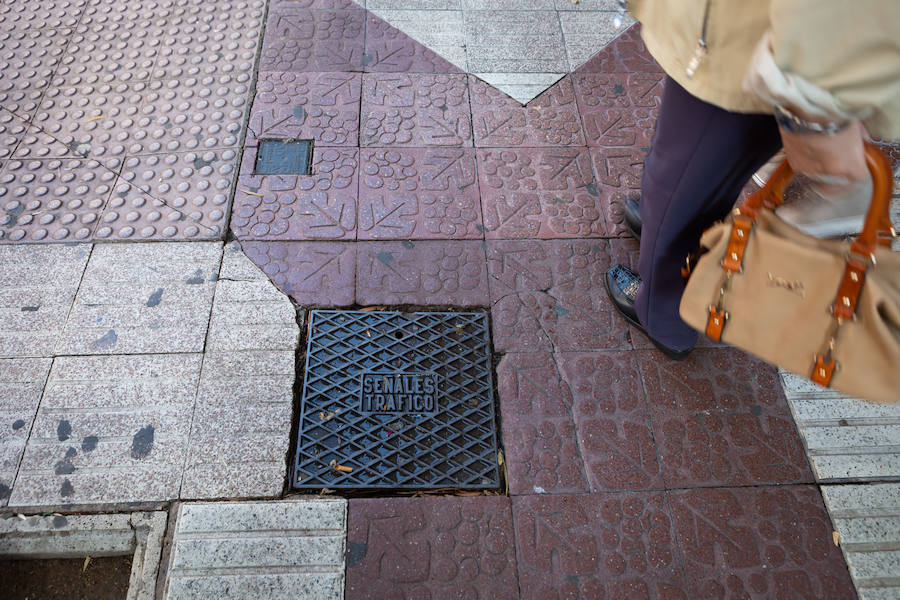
71,452
89,443
63,430
356,552
5,491
64,467
60,521
18,424
66,490
107,340
155,297
197,279
142,443
30,308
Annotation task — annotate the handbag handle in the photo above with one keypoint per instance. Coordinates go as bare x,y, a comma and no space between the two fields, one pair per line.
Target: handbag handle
878,228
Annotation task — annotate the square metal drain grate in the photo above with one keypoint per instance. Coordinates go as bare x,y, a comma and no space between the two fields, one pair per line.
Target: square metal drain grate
284,157
397,400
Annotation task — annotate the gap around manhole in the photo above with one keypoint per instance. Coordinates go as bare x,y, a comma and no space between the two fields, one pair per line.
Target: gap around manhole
397,401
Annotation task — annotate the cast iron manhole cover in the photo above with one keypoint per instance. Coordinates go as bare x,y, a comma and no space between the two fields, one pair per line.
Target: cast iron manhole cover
284,157
397,400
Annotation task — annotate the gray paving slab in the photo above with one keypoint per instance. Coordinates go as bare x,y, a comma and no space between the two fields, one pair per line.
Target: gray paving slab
143,298
521,86
110,429
540,41
22,381
288,549
585,32
242,421
514,41
138,534
846,439
867,517
37,286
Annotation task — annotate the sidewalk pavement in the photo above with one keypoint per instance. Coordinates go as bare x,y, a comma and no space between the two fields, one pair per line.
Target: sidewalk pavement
155,289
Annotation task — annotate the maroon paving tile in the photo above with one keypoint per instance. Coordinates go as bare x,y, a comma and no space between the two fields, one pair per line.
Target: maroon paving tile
419,194
538,433
439,272
599,546
720,418
416,109
550,295
298,39
627,53
539,193
759,543
618,109
312,273
613,423
551,119
619,172
319,106
321,206
431,548
390,50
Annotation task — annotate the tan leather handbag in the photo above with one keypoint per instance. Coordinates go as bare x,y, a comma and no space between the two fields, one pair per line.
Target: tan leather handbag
828,310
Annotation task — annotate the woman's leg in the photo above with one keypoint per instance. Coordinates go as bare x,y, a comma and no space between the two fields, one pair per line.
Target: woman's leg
700,159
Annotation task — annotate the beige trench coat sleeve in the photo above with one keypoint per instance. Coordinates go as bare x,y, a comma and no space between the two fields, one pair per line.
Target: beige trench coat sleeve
850,49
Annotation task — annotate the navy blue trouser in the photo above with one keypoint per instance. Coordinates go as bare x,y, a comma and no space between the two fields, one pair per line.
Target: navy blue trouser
699,161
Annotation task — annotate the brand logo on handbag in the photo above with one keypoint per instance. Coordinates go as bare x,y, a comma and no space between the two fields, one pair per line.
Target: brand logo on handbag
791,286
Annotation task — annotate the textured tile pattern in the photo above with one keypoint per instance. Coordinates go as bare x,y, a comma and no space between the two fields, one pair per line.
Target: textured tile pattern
401,109
242,418
321,206
419,194
421,273
430,548
259,550
749,542
312,273
319,106
550,295
110,429
720,418
867,519
22,380
598,546
846,439
102,96
37,286
143,298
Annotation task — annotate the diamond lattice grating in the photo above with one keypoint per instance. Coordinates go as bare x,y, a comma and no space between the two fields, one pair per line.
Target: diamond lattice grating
405,400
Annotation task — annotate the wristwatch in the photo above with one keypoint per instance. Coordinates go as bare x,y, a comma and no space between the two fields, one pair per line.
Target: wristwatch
794,124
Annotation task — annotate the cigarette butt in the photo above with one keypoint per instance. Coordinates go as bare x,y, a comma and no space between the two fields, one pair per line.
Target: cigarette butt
97,118
342,468
252,193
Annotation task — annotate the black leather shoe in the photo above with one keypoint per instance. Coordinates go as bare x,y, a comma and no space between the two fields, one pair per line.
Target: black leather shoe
632,214
622,285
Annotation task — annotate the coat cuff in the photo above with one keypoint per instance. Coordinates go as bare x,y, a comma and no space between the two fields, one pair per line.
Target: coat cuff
776,87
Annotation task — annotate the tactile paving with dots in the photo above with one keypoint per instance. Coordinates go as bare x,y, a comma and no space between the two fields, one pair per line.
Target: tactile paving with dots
54,199
397,400
179,195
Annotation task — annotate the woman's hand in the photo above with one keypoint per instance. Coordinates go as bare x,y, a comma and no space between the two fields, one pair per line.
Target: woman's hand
833,161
